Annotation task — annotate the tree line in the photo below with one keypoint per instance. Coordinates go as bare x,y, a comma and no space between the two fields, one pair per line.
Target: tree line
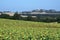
30,18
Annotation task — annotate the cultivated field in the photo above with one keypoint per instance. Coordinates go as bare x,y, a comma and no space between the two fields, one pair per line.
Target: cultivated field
28,30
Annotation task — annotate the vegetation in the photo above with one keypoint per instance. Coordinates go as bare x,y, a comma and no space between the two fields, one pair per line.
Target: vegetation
28,30
16,16
30,18
4,16
39,17
19,29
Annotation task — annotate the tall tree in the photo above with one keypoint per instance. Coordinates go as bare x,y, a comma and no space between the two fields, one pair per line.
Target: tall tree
16,16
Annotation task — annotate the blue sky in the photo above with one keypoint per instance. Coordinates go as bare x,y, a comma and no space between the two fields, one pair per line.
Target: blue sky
24,5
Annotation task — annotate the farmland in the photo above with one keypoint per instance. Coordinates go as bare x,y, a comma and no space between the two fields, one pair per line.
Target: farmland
28,30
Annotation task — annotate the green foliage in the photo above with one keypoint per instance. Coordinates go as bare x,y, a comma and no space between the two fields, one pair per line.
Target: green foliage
16,16
29,18
58,19
27,30
47,19
5,16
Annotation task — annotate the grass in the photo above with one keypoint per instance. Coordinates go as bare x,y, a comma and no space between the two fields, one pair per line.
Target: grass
28,30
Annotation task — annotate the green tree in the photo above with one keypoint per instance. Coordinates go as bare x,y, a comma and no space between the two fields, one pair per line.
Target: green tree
29,18
5,16
17,16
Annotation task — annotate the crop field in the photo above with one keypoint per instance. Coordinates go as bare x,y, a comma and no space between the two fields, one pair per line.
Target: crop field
28,30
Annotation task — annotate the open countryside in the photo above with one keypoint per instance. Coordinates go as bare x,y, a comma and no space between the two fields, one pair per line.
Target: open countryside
29,19
28,30
35,25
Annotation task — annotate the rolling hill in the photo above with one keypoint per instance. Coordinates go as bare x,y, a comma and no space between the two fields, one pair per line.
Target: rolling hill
28,30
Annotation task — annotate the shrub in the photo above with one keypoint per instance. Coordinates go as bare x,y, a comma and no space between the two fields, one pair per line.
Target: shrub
16,16
5,16
29,18
58,19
